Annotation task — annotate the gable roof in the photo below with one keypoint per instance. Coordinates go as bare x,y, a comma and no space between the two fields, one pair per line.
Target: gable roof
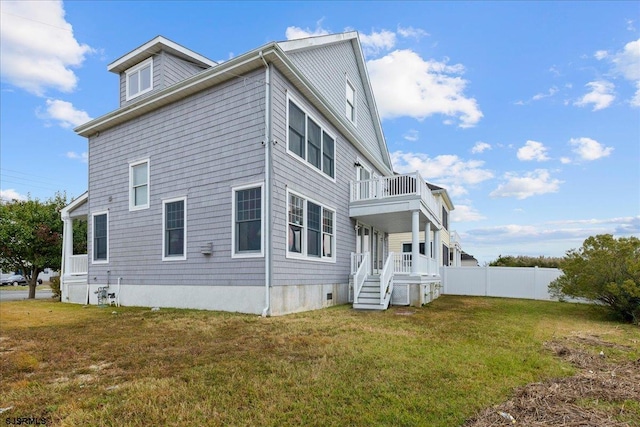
154,46
442,191
298,45
218,73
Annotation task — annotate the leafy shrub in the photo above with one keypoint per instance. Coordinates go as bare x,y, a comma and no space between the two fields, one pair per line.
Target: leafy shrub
604,270
55,287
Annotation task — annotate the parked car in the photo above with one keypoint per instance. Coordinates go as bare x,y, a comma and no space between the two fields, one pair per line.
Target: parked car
14,280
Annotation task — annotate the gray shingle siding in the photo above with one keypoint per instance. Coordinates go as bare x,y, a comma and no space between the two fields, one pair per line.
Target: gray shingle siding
199,147
326,68
291,173
168,69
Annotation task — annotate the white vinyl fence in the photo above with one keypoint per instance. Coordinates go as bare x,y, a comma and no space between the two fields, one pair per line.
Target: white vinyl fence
507,282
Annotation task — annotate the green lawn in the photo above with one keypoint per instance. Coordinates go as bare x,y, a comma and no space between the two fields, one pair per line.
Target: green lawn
435,366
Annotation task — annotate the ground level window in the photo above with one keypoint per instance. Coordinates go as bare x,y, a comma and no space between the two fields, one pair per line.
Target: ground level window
248,221
310,229
174,229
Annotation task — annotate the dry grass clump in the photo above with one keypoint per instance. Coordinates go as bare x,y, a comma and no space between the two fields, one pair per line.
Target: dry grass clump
605,392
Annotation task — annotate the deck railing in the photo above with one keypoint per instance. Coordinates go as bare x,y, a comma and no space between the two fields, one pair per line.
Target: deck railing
359,262
402,263
386,278
77,265
393,186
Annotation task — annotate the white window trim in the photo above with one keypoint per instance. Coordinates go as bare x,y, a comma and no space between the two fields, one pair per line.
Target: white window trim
134,69
93,238
303,255
348,84
235,254
132,207
323,128
183,257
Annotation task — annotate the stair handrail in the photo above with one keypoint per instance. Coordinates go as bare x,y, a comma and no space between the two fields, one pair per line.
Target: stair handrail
386,279
360,276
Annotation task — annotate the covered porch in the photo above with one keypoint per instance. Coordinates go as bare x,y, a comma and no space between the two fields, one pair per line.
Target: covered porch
394,204
74,268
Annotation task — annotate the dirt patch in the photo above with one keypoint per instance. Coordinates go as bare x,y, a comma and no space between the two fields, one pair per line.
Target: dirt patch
595,396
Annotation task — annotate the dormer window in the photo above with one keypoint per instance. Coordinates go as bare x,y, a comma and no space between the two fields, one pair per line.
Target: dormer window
139,79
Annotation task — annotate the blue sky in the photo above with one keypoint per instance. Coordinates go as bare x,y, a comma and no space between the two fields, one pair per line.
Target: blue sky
527,112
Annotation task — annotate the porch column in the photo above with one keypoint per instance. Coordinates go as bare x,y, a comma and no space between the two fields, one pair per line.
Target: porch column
427,246
67,251
415,241
437,250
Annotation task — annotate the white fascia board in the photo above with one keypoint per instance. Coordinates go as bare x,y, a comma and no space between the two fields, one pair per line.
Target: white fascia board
315,41
445,195
152,47
64,212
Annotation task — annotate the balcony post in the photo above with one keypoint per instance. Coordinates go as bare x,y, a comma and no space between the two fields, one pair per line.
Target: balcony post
415,242
427,245
437,249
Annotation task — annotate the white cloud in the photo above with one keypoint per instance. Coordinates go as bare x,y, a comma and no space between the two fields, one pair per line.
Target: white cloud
627,63
407,85
448,171
411,135
533,150
415,33
552,91
530,184
64,112
565,160
293,32
601,95
10,194
589,149
601,54
480,147
38,49
465,213
77,156
378,41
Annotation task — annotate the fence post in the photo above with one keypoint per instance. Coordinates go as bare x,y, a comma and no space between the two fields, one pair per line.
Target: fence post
487,285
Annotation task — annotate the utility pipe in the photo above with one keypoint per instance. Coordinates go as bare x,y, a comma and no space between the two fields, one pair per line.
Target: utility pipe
267,189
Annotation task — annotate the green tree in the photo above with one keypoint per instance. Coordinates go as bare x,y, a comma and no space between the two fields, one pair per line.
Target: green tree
526,261
605,270
31,236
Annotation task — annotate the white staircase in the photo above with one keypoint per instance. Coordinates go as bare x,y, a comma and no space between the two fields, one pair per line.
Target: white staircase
369,298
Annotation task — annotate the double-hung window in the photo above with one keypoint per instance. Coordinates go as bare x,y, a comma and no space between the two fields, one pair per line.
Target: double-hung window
174,220
139,185
309,141
247,221
311,229
139,79
351,102
100,237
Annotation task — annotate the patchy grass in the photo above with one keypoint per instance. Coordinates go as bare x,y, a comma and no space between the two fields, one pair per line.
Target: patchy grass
438,365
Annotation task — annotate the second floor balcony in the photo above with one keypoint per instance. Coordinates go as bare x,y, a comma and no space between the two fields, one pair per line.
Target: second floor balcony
387,201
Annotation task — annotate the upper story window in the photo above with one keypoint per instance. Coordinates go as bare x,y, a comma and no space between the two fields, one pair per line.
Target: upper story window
309,141
100,237
139,79
174,223
445,218
139,185
311,231
351,102
247,221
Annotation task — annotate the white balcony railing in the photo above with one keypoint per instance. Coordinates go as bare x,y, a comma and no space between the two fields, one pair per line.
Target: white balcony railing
394,186
77,265
402,264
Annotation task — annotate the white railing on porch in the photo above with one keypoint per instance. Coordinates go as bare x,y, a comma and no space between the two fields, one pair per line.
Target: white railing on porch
360,263
402,264
393,186
77,265
386,279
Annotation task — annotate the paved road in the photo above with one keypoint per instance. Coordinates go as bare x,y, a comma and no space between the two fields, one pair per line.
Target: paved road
14,295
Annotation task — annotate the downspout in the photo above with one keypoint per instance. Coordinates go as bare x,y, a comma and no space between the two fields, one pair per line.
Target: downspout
267,190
